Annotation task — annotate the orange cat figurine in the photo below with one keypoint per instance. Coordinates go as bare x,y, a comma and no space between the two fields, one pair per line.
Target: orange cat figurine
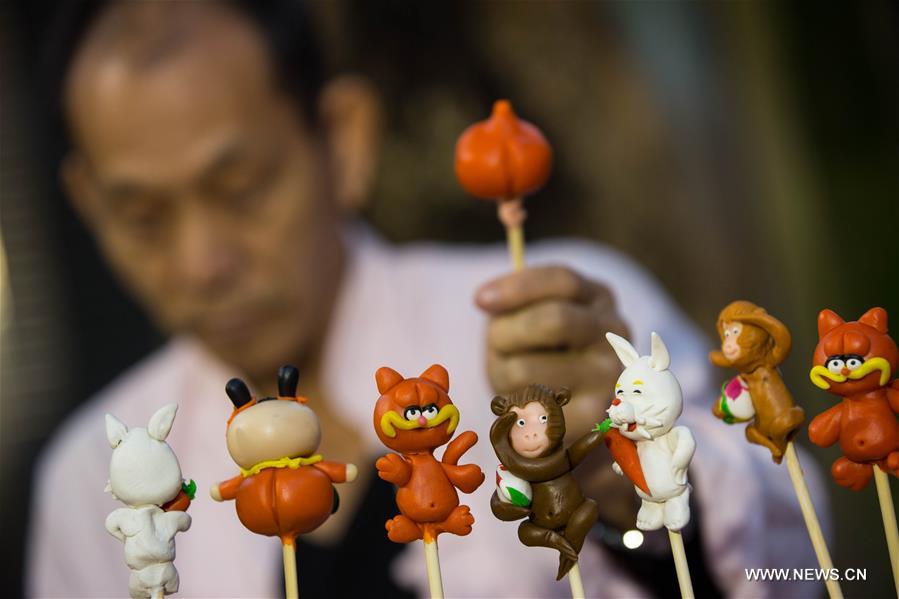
414,417
858,361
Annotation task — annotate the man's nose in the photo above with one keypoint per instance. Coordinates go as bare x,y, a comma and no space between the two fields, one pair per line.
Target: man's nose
205,254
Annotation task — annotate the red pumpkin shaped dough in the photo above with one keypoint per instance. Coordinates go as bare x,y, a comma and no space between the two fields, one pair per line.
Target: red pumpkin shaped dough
502,157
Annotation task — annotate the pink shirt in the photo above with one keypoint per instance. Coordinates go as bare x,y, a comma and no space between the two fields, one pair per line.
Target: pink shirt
409,307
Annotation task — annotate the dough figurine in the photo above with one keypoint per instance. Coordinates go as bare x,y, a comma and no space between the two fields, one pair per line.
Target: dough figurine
755,343
648,402
503,159
414,417
284,488
144,474
857,361
535,478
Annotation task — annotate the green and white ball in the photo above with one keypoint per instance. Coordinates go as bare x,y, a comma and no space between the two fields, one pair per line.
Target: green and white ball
511,489
736,402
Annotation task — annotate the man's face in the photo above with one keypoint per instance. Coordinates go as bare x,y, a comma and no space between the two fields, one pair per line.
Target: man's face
207,195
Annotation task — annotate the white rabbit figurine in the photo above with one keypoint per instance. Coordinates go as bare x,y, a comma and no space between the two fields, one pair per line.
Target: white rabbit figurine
648,401
144,474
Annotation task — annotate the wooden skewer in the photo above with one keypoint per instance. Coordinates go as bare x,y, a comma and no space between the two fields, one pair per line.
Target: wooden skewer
289,553
811,521
511,213
432,559
889,520
515,241
577,585
680,563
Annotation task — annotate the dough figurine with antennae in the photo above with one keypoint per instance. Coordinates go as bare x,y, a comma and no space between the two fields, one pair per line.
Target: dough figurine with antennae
144,474
647,403
284,488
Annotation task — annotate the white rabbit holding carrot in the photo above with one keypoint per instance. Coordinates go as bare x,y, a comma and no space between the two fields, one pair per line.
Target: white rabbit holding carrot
145,475
647,403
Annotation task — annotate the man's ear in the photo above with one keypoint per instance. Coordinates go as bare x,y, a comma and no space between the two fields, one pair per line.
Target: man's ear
350,109
76,182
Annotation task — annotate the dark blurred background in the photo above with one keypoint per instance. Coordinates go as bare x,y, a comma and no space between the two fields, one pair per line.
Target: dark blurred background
738,150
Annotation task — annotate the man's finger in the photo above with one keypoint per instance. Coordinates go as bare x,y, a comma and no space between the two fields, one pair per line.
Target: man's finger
518,289
550,324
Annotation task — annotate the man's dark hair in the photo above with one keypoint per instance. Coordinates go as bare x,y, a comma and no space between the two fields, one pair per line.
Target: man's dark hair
284,25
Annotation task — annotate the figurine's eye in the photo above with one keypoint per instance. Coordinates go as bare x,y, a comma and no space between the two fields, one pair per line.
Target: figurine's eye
619,392
727,333
412,413
637,392
835,365
735,331
519,422
430,411
853,362
543,418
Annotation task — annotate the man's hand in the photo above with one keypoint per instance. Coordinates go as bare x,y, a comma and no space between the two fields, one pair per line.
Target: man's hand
548,325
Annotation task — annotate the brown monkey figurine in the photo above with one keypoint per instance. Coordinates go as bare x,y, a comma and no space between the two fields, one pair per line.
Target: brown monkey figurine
528,438
754,343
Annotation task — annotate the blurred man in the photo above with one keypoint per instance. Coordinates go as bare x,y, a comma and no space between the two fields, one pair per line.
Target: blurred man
218,182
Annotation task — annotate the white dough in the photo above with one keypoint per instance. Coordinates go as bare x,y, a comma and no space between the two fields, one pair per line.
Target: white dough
649,401
149,536
144,473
